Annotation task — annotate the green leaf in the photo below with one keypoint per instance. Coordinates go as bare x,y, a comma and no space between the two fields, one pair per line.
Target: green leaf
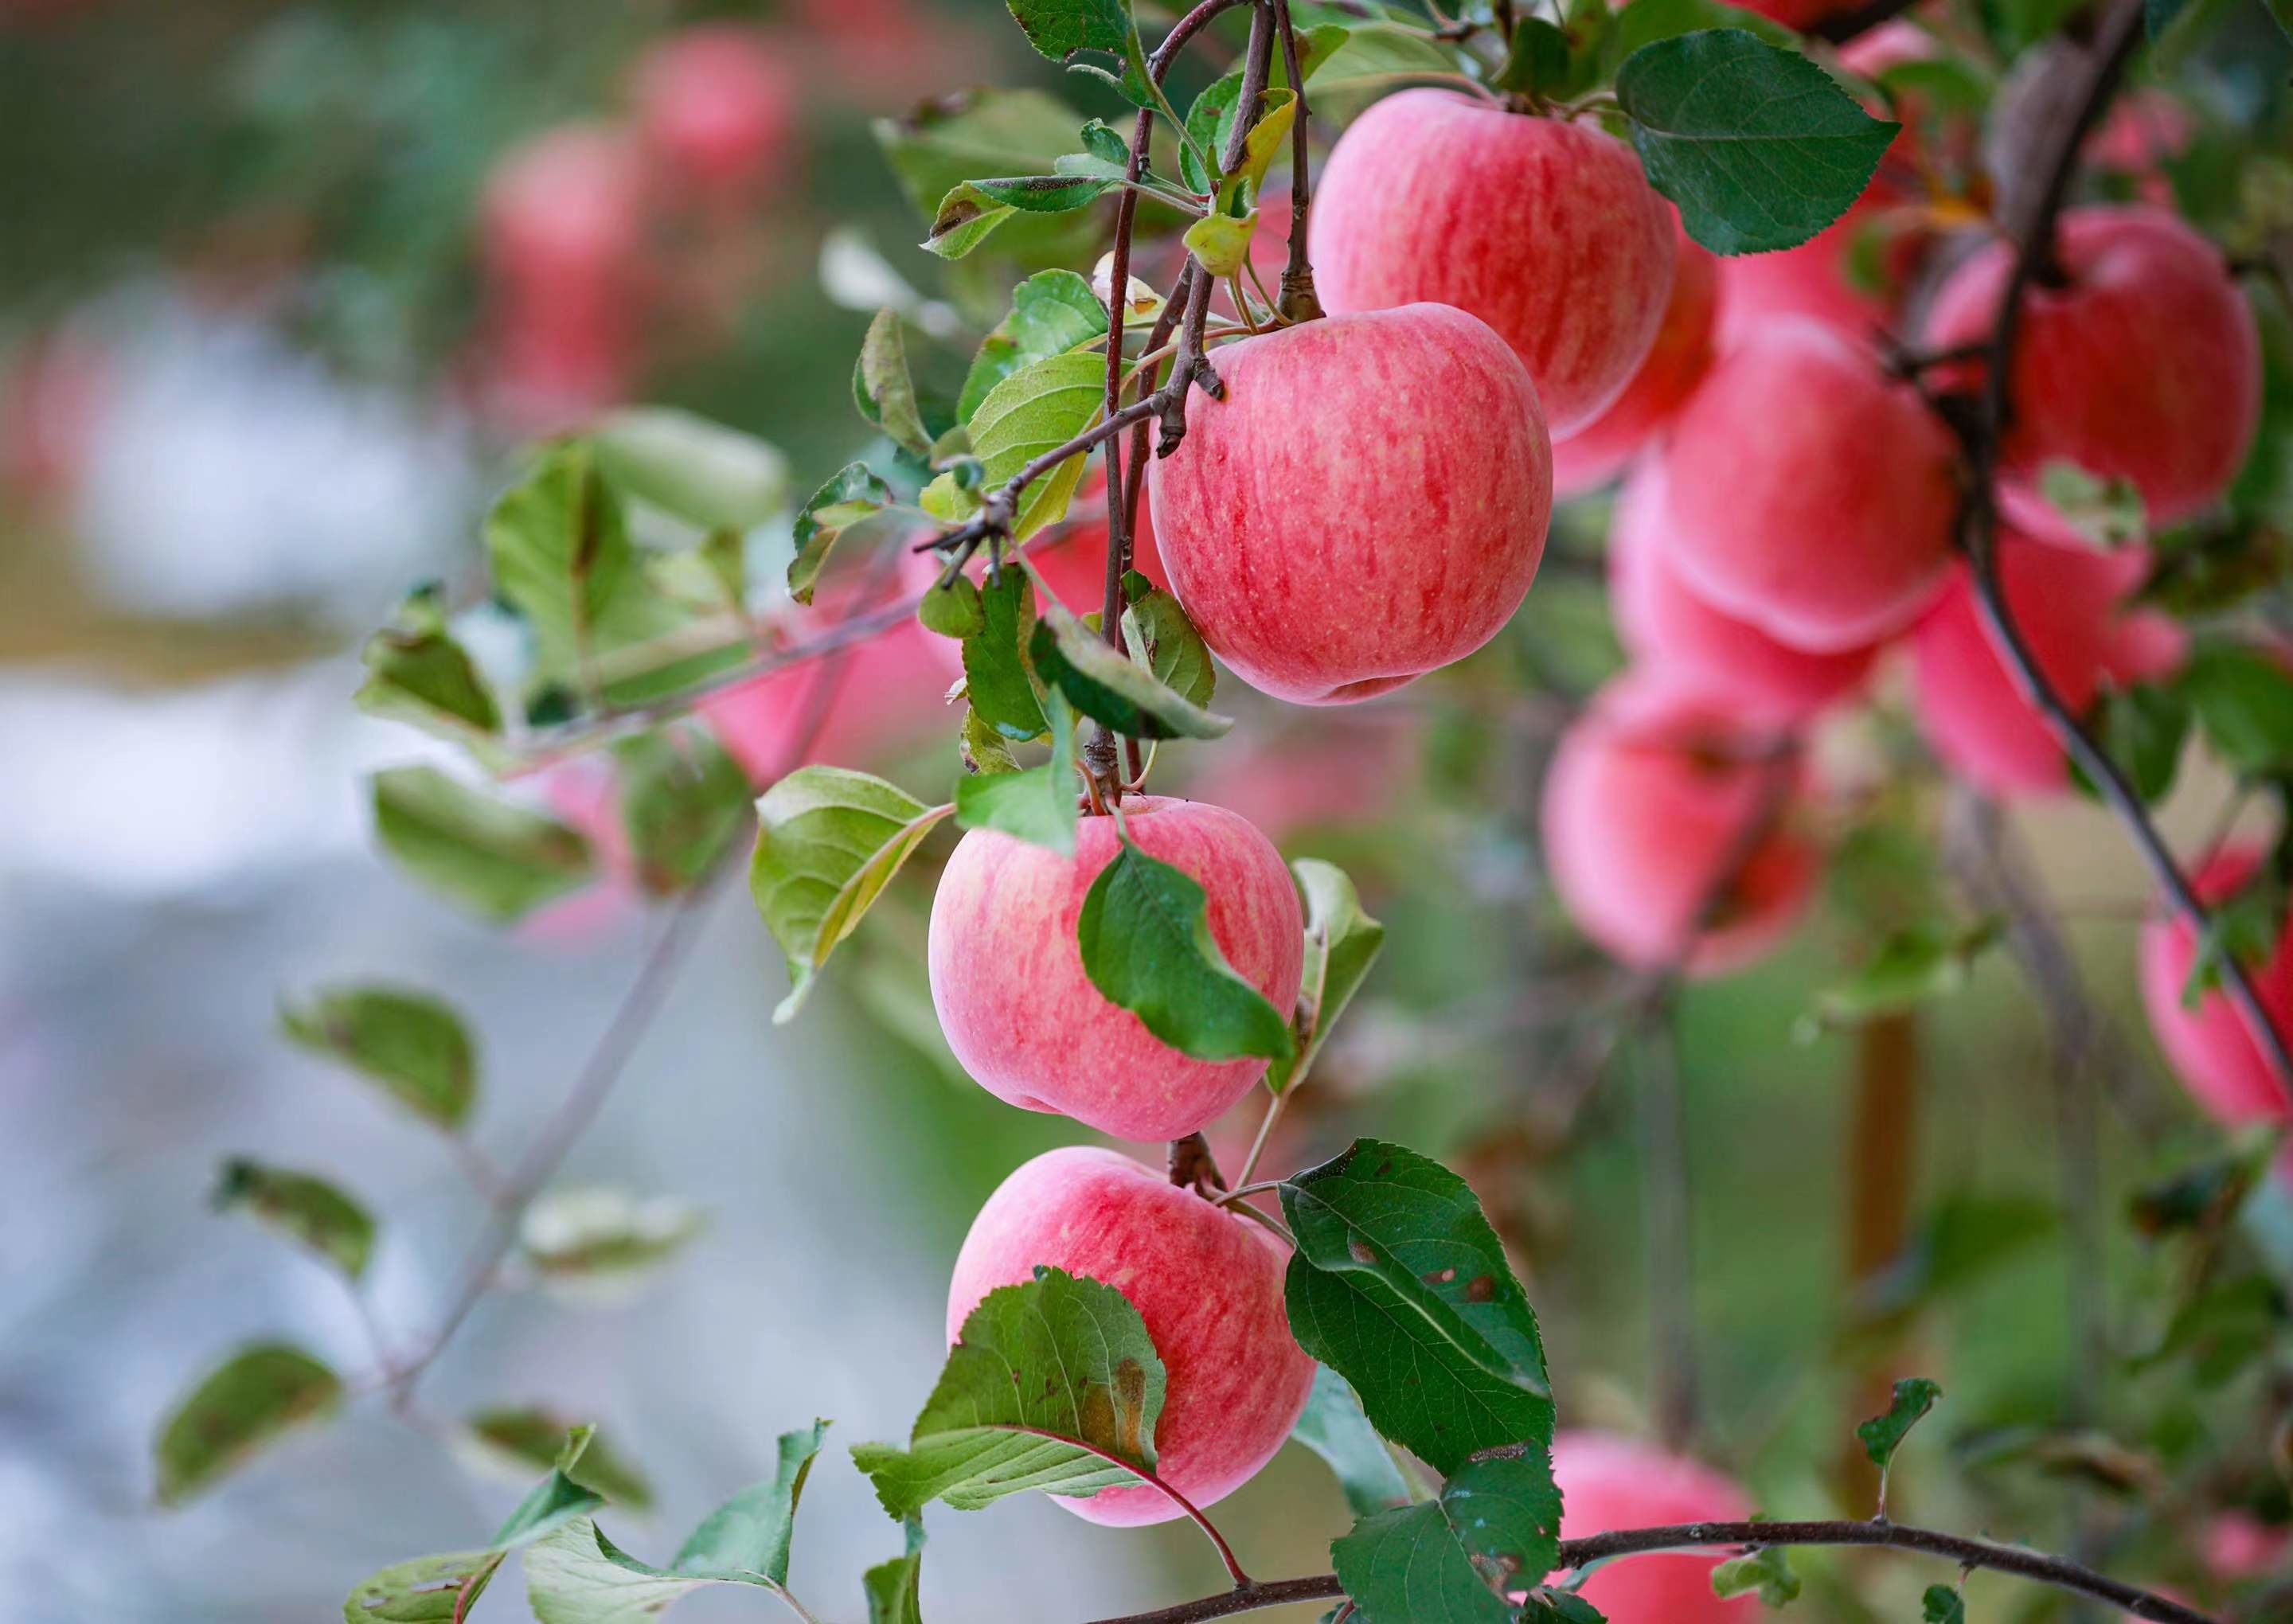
2143,729
894,1587
2106,511
1054,1385
413,1044
1881,1435
442,1589
1374,55
524,1438
1333,1427
1406,1567
1942,1605
1766,1572
1036,804
1161,638
1052,312
600,1242
682,801
1759,148
853,494
501,861
1058,29
2244,701
1546,1605
984,750
966,218
252,1399
1147,945
750,1533
576,1575
983,134
951,609
1400,1285
882,389
1043,194
419,674
1221,242
712,477
1504,1509
1038,407
1110,687
1963,1240
1659,20
1921,962
309,1211
829,840
1538,61
996,677
1342,943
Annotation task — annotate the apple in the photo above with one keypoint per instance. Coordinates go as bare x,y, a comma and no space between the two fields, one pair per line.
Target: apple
1808,493
1207,1285
1336,774
1664,812
2219,1064
564,214
2067,602
1812,280
1607,1482
1545,230
1667,628
1368,502
716,109
1676,363
1007,973
2141,364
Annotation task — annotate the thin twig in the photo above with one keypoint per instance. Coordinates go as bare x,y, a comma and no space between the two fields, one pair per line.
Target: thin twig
1298,301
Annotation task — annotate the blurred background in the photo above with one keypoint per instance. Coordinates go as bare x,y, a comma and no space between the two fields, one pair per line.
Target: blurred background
282,288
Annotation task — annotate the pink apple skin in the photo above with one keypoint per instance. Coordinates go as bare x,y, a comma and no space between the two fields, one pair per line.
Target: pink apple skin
1545,230
1676,363
1072,559
1368,503
1809,281
2218,1062
1650,799
1608,1483
2146,366
1808,493
1008,980
716,109
2067,602
1338,773
1668,629
565,208
1207,1285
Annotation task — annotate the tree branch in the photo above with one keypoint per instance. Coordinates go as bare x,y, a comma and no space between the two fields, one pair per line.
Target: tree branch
1298,301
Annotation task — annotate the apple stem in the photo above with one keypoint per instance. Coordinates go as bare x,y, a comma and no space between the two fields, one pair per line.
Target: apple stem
1193,1167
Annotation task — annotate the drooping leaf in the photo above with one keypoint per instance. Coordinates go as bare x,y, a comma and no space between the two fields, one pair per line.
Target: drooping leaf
750,1533
1035,805
1406,1567
853,494
1758,145
599,1244
1054,1385
1038,407
2244,701
1375,55
965,218
1882,1434
1766,1573
1504,1509
500,860
1942,1605
683,801
894,1587
882,388
996,675
1052,312
1110,687
411,1044
417,674
523,1438
1161,638
1147,945
307,1210
1333,1427
1537,62
1342,942
576,1575
714,478
983,134
245,1404
829,840
442,1589
2142,730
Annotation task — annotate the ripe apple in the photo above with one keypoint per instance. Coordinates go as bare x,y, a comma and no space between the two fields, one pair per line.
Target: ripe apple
1812,280
1676,363
1664,813
1547,230
716,109
1808,493
1207,1285
2143,363
1368,502
2219,1064
1668,629
1607,1482
563,214
1337,772
2067,602
1007,973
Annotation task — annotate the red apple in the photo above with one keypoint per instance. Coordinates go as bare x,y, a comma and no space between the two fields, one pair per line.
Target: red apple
1668,629
2067,602
1207,1285
1007,975
1812,281
1662,811
563,214
2219,1064
1547,230
2144,364
1368,502
1597,453
1338,772
1808,493
1609,1483
715,109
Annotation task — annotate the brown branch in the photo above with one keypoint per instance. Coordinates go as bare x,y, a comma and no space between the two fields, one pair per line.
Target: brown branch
1299,302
